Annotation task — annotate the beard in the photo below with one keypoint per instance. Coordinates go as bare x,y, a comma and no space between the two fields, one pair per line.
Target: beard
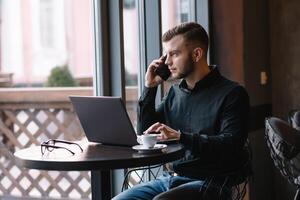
188,68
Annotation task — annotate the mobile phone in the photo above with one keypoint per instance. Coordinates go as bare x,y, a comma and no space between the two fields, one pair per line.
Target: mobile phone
163,70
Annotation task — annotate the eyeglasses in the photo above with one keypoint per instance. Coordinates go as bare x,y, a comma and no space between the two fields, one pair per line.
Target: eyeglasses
50,145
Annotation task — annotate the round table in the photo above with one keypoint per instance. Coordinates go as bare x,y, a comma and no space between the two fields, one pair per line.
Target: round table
99,159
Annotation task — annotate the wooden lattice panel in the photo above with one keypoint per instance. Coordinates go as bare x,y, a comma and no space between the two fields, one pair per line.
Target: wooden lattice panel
21,128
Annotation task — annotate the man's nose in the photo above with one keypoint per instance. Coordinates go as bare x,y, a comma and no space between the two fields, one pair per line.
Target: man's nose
168,61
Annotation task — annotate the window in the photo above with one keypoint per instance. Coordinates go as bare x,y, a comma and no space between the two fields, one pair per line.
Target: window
181,12
184,11
131,56
46,13
37,36
175,12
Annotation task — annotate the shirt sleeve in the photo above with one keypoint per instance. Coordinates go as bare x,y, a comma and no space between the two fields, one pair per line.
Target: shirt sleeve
233,128
147,114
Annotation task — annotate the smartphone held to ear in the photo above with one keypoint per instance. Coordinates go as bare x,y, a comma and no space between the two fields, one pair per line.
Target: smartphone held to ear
163,70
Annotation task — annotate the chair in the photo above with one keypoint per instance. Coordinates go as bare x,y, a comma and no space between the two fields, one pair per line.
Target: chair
284,144
217,183
294,119
236,179
141,174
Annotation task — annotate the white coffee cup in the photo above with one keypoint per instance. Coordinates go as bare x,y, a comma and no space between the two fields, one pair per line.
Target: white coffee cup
147,140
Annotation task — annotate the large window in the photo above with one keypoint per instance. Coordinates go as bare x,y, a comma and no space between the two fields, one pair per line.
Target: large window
50,49
180,12
46,54
39,35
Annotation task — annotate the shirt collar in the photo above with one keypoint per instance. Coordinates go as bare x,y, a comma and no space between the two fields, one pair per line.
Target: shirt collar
204,82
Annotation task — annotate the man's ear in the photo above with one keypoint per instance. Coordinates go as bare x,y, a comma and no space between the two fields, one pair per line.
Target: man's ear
197,54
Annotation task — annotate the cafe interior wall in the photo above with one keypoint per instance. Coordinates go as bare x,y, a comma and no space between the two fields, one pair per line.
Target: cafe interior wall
284,60
252,40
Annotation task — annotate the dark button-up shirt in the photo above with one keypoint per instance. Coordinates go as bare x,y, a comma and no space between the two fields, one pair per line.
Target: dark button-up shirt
212,119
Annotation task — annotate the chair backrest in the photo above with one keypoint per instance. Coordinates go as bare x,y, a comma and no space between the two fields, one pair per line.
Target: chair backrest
294,119
284,144
236,178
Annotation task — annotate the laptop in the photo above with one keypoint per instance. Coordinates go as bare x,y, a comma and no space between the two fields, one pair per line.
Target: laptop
104,120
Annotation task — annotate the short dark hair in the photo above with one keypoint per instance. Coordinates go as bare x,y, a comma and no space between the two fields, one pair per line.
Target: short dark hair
191,32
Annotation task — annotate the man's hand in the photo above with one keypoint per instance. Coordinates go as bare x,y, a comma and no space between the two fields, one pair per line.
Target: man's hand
165,131
151,79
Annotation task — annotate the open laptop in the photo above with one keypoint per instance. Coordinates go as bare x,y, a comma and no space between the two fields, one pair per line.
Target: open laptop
104,120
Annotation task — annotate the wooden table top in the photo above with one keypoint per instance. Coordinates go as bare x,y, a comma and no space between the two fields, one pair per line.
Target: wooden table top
95,157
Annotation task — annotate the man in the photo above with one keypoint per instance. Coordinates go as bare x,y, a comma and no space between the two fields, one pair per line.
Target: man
206,112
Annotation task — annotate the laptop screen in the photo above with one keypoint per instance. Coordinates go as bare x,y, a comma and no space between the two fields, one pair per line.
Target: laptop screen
104,120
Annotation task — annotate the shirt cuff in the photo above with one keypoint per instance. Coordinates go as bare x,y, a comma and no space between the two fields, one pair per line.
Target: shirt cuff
186,138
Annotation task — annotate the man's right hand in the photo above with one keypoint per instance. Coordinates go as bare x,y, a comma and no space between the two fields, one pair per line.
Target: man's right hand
151,79
165,131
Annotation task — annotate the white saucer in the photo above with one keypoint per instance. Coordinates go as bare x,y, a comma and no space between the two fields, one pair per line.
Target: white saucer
143,149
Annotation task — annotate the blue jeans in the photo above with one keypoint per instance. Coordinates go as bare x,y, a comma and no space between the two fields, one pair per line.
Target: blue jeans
174,187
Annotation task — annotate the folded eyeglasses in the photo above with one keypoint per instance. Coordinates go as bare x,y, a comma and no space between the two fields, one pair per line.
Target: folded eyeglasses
50,145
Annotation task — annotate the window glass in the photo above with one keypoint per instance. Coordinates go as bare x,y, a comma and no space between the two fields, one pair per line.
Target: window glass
174,12
39,35
46,54
131,56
